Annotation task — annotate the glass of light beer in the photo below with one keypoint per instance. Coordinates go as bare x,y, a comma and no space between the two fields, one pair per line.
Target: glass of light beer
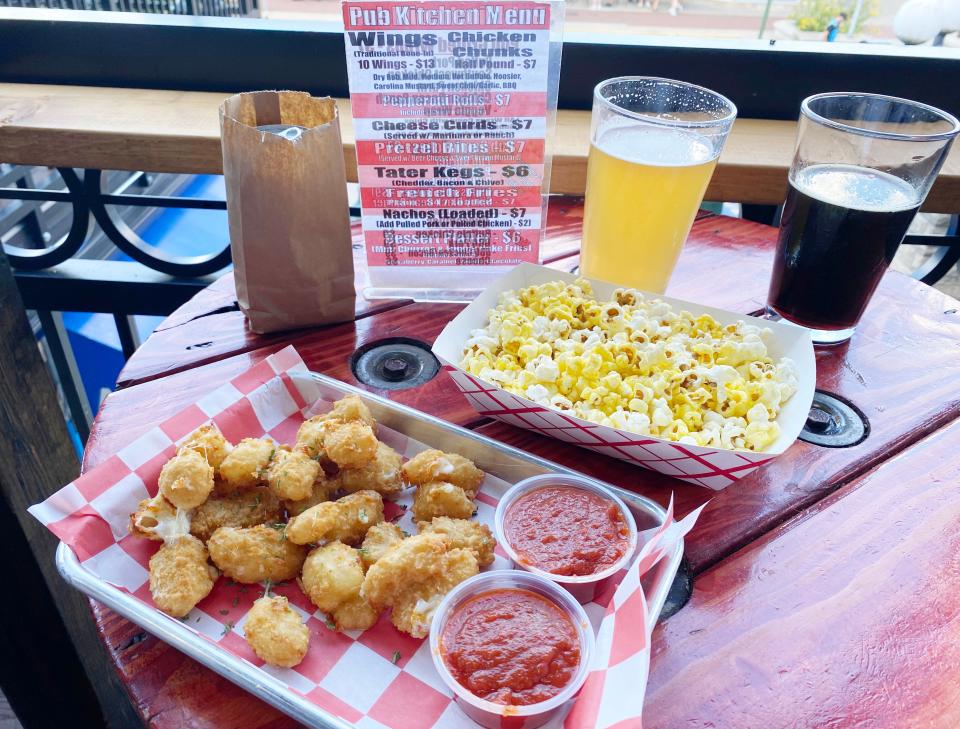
654,145
863,166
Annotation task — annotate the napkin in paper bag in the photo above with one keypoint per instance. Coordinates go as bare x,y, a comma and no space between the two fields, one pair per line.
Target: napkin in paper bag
288,211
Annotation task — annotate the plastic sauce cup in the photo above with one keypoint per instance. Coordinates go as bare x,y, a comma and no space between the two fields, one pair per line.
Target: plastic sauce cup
584,588
502,716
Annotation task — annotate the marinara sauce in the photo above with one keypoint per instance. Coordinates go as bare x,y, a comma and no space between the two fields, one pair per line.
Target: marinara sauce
510,646
566,531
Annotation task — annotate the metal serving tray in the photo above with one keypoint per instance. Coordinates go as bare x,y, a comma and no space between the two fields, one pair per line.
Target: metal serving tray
502,461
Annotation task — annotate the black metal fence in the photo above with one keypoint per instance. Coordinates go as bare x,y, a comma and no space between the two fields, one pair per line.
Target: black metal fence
216,8
61,255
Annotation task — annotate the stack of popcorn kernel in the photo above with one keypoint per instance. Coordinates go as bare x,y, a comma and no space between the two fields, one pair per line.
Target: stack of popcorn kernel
635,364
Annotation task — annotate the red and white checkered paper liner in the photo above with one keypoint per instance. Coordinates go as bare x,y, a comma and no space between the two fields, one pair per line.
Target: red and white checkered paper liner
375,678
715,468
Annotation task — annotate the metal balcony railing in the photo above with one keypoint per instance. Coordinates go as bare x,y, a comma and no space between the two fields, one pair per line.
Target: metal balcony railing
65,258
216,8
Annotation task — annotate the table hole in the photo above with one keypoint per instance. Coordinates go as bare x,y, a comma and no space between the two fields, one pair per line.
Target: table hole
395,363
834,423
680,591
137,638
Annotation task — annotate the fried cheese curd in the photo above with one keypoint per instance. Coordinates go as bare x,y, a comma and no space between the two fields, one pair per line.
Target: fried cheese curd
433,465
186,480
383,473
439,498
312,432
413,577
415,559
323,490
226,504
239,509
245,466
292,473
158,519
463,534
346,519
332,577
414,608
208,441
351,444
350,408
380,538
180,576
254,554
636,364
275,632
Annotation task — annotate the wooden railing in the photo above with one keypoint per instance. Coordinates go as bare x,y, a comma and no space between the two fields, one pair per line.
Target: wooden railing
178,131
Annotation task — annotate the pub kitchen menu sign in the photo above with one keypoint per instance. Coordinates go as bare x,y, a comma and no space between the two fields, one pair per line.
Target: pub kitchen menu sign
452,104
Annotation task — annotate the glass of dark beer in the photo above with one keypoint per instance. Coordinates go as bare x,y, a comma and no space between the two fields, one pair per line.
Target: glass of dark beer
863,166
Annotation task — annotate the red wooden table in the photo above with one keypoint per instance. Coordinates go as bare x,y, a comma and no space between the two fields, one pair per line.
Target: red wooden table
823,582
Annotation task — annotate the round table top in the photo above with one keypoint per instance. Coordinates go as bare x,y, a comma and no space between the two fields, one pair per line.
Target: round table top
823,582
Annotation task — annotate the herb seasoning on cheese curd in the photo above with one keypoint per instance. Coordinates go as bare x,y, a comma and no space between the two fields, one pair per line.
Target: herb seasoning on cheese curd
635,364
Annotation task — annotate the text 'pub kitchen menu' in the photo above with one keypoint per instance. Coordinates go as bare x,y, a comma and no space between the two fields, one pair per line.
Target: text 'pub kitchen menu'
450,106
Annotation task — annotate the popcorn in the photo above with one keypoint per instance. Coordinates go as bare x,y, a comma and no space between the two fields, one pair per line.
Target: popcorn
634,364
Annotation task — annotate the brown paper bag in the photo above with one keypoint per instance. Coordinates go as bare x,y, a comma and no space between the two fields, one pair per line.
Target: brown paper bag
288,211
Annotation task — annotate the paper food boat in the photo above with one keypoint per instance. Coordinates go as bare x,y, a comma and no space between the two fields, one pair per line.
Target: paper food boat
715,468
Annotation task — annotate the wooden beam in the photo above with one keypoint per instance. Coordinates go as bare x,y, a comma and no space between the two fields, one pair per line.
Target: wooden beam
55,667
178,131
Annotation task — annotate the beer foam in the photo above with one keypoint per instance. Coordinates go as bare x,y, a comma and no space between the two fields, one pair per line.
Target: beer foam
655,146
858,188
